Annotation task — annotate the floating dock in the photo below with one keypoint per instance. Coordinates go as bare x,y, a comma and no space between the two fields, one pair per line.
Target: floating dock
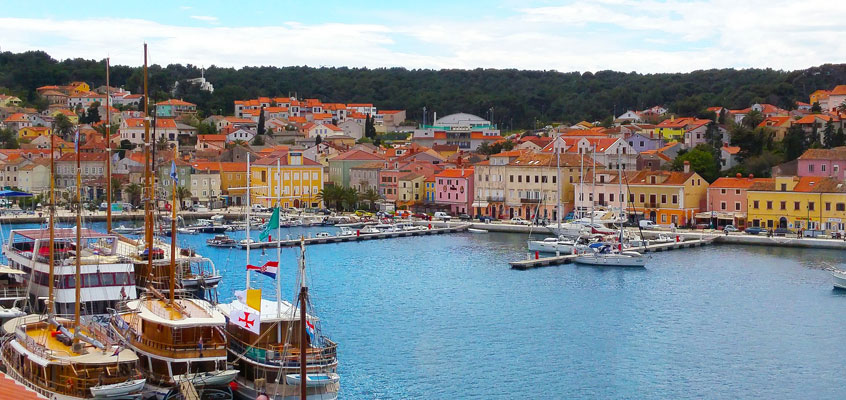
357,237
652,248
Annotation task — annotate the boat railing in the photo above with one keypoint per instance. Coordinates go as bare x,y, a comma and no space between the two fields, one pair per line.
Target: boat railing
38,349
12,292
284,355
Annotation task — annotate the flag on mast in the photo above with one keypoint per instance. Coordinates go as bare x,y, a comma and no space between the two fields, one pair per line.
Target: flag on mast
272,224
269,268
173,173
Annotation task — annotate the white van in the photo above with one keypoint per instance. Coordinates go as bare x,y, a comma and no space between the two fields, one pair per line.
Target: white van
647,224
442,216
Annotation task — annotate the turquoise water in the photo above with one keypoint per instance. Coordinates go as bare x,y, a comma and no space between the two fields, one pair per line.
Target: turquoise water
445,317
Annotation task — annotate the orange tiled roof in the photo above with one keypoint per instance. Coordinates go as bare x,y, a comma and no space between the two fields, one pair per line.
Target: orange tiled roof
737,182
455,173
839,90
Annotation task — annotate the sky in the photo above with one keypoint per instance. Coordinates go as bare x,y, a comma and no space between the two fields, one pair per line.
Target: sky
650,36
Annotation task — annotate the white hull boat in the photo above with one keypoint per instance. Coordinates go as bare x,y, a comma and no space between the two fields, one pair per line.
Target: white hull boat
315,380
218,378
552,245
839,279
474,230
9,313
624,259
120,390
206,281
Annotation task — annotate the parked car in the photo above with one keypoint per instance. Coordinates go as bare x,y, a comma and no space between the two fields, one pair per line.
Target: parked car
259,208
485,218
464,217
647,224
519,221
420,215
754,230
783,232
442,216
730,228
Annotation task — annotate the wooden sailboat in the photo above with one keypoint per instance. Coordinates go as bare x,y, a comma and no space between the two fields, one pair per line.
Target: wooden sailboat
180,341
69,359
273,357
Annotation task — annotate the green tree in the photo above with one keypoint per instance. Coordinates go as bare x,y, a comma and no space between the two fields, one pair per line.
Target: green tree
204,128
370,196
794,143
116,186
182,193
753,118
713,136
722,118
133,190
9,139
830,136
331,195
701,160
162,143
62,126
258,140
815,108
260,130
318,140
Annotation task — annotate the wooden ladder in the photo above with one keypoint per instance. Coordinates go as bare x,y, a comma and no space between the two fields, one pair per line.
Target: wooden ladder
189,392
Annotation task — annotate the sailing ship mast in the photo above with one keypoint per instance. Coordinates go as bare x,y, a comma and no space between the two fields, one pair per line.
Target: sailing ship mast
78,257
51,308
249,178
303,322
108,152
173,236
278,241
593,185
557,149
148,186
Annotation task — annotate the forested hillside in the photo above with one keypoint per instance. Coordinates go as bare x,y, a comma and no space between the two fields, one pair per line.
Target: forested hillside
521,98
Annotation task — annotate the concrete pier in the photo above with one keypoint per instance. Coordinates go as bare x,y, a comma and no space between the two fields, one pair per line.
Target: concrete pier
652,248
359,237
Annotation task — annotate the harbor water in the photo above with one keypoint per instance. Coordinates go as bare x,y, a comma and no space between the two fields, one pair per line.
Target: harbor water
444,316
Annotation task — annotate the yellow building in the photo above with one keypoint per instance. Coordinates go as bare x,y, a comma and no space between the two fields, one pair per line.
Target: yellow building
32,132
809,202
667,197
233,175
301,180
79,87
72,116
411,189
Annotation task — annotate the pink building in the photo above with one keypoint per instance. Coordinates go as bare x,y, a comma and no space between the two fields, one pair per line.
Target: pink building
605,195
823,162
454,187
726,199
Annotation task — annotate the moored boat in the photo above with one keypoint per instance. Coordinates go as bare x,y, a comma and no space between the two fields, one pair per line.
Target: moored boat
839,279
221,240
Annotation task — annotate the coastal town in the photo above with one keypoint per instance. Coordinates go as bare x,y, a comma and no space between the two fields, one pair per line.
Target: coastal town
674,170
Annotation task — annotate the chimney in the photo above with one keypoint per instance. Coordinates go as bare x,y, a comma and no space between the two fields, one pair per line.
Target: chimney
751,176
738,175
434,117
686,166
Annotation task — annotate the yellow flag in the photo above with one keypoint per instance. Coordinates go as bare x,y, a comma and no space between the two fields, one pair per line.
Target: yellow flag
254,299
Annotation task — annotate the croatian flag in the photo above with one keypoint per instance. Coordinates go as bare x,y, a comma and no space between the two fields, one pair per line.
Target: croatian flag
269,268
310,331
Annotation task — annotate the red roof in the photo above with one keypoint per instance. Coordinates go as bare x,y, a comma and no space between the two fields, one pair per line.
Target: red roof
731,149
211,138
356,154
455,173
283,159
175,102
737,182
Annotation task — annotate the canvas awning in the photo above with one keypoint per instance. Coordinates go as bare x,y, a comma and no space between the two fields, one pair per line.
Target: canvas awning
12,193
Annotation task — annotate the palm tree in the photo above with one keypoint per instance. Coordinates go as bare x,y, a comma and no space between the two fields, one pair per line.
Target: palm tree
331,194
162,144
349,198
133,190
370,196
182,192
753,118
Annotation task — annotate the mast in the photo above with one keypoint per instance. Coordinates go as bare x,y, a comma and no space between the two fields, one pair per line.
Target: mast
593,185
303,322
148,186
249,178
109,153
581,180
558,181
78,262
278,237
620,184
51,308
173,236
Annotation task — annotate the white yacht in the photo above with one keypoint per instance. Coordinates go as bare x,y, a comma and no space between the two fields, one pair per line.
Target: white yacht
608,257
561,245
839,278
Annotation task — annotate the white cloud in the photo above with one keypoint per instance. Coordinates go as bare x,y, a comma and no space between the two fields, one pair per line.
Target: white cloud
184,7
207,18
623,35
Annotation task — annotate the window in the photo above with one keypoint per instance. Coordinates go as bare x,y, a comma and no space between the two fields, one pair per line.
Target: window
536,179
736,206
796,205
827,206
675,199
722,191
810,206
822,168
810,167
840,207
755,204
722,205
783,205
769,205
663,218
737,192
664,198
520,178
511,178
642,198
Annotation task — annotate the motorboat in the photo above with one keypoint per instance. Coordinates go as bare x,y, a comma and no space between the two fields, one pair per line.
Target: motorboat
608,257
345,231
370,229
474,230
221,240
243,243
209,226
127,230
323,235
314,380
839,279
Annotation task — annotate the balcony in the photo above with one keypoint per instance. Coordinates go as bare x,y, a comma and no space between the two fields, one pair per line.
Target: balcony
495,198
651,205
529,201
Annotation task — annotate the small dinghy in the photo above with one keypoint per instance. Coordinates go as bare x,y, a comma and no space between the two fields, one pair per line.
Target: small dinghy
474,230
118,389
315,380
